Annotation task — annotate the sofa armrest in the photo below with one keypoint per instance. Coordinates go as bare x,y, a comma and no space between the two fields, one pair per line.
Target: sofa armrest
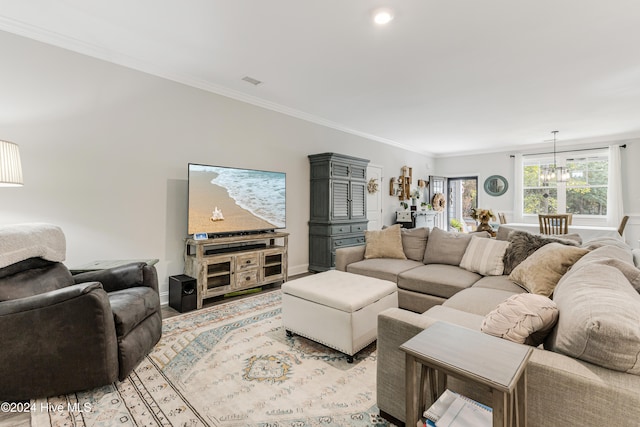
395,327
57,341
601,396
348,255
122,277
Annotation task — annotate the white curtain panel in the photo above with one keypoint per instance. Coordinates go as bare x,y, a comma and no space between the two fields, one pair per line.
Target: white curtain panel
517,187
615,209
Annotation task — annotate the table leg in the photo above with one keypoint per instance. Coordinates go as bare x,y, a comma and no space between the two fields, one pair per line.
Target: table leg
441,381
413,387
521,400
500,411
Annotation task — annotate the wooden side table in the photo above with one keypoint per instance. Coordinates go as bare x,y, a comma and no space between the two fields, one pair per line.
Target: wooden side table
446,349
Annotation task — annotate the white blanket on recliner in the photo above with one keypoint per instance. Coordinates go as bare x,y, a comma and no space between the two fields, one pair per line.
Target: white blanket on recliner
23,241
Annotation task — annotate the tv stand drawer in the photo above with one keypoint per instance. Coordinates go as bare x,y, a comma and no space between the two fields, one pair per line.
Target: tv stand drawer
247,278
245,262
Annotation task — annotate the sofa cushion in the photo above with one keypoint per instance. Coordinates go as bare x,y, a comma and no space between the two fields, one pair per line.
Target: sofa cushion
444,247
478,301
455,316
131,306
599,318
540,273
382,268
385,243
414,242
605,254
613,256
498,282
522,318
484,256
523,244
437,279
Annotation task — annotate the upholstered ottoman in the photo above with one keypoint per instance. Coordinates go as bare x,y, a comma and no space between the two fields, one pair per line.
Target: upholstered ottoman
337,309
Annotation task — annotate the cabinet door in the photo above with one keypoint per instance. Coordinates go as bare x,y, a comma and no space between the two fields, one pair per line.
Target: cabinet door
339,170
340,200
358,200
358,172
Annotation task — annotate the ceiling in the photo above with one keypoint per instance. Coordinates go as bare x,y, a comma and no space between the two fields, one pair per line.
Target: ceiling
443,78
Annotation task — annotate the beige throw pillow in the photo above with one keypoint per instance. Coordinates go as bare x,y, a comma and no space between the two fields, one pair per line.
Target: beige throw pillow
522,318
414,242
445,247
385,243
540,273
484,256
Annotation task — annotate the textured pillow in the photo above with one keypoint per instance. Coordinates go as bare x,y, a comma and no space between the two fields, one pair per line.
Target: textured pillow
522,318
414,242
484,256
600,321
385,243
524,244
540,273
445,247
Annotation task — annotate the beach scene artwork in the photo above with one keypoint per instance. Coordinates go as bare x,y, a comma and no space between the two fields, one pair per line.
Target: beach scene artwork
229,200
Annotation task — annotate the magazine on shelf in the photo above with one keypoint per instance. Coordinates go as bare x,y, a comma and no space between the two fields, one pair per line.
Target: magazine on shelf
454,410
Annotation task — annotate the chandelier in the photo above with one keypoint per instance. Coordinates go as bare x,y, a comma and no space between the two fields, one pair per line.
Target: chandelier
554,172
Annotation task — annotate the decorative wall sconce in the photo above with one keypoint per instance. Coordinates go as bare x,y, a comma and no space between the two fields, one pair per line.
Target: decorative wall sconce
401,186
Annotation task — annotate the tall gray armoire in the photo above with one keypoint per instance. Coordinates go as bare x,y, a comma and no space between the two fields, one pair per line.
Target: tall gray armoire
338,206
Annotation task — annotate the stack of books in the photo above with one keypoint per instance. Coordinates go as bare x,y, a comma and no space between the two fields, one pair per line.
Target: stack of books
454,410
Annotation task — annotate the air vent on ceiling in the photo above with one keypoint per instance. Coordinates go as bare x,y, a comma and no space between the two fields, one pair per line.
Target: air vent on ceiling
251,80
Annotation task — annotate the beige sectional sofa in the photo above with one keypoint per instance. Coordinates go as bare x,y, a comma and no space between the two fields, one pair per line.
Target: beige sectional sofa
586,372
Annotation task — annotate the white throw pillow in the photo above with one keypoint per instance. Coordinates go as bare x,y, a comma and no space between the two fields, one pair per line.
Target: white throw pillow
484,256
522,318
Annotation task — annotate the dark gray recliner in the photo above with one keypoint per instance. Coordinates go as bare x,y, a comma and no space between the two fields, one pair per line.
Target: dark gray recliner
61,333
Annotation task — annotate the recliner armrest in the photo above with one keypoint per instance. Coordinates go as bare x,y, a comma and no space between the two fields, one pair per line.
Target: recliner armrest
122,277
47,299
57,341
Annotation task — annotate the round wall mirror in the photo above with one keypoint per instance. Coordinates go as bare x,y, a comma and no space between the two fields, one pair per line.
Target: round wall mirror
496,185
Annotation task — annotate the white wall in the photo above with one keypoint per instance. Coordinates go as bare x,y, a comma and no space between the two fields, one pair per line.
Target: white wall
105,150
485,165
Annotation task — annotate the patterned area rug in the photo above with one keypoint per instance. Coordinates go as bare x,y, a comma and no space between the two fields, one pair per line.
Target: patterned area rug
230,365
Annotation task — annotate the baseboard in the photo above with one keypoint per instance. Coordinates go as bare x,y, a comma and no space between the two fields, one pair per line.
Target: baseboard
298,269
391,419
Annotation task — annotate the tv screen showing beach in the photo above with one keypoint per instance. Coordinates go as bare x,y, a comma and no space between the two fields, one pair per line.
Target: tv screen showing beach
225,200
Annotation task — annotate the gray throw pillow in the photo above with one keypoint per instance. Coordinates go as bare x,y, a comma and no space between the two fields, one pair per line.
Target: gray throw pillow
444,247
524,244
414,242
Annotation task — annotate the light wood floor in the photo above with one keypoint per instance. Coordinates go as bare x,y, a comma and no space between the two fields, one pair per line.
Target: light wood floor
8,419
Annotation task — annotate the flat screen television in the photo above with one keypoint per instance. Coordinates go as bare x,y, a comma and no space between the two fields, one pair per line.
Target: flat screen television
227,201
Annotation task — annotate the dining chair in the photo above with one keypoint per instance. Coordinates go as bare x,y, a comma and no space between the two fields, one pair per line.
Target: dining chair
623,224
502,217
554,224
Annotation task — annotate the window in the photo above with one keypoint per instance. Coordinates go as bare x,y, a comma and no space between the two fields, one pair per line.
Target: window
585,193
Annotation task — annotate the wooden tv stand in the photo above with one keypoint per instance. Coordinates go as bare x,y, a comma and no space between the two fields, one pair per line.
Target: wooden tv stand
228,264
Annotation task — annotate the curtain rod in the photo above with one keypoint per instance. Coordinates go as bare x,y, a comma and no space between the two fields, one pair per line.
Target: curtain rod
568,151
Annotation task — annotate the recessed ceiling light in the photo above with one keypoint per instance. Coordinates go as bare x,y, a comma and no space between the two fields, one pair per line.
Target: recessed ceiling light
382,16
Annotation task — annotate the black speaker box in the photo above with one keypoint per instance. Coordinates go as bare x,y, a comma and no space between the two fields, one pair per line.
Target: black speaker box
183,293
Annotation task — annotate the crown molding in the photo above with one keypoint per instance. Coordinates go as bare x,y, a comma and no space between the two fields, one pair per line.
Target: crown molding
95,51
